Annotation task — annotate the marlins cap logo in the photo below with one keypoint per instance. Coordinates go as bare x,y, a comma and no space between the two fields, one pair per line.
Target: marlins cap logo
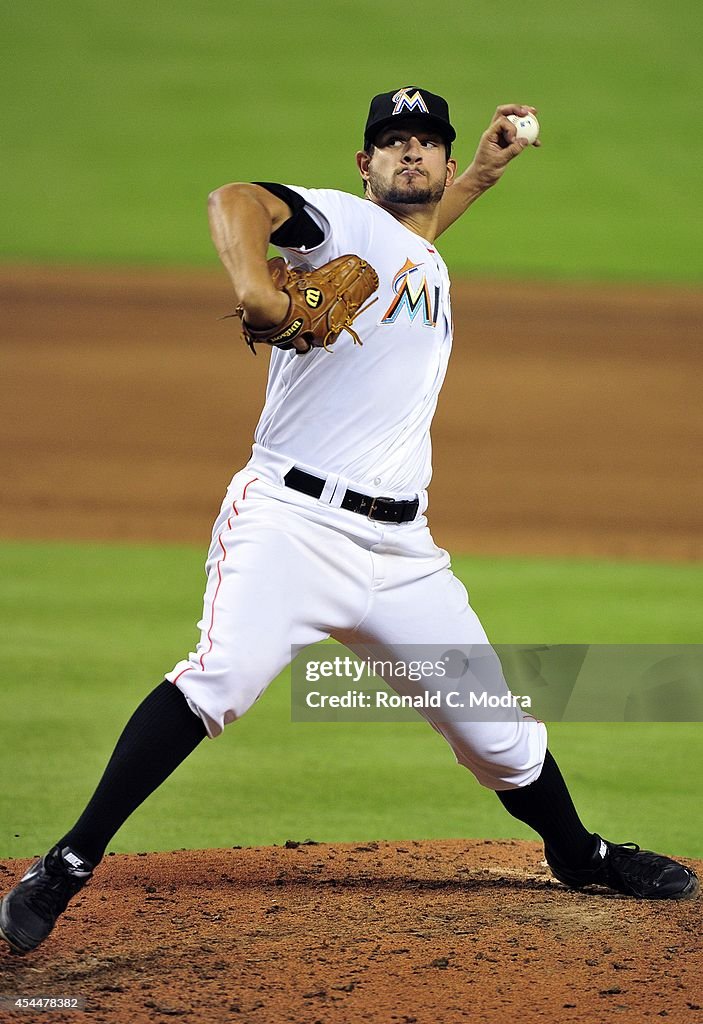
404,100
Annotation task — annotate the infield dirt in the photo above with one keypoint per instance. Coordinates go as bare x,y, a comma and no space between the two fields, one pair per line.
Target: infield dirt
420,932
570,424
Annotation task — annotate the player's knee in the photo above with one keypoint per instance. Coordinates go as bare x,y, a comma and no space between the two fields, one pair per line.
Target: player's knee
507,760
504,774
220,696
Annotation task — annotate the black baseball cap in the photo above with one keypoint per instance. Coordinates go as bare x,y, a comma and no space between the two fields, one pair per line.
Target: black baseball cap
410,102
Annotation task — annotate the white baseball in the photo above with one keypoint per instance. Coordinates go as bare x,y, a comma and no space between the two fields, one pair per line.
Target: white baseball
527,126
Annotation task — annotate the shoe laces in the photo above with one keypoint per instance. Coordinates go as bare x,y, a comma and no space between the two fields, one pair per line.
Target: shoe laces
622,854
50,895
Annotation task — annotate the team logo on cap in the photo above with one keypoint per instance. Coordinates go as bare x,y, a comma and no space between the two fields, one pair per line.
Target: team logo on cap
405,100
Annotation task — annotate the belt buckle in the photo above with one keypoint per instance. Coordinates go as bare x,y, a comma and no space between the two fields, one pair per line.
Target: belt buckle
378,501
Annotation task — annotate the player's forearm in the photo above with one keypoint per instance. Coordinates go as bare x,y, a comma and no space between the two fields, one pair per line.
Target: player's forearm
464,191
240,227
498,145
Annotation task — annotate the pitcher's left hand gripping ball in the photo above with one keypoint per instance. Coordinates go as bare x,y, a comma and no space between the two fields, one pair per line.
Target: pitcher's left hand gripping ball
323,303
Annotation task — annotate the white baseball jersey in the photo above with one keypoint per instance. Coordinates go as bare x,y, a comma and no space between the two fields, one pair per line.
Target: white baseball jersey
365,413
362,416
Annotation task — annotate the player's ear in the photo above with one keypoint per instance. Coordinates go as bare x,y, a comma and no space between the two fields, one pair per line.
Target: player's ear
451,171
362,162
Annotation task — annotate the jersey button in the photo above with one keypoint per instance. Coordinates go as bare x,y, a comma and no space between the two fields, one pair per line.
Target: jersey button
376,481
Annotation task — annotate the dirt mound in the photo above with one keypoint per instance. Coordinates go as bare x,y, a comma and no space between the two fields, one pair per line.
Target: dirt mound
422,932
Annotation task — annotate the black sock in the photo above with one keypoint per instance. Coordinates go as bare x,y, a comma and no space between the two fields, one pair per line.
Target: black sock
546,806
159,735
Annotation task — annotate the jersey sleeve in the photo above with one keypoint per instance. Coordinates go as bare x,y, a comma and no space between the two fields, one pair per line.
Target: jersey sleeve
300,230
344,223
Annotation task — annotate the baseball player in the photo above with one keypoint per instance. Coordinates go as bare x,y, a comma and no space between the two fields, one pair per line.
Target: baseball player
325,527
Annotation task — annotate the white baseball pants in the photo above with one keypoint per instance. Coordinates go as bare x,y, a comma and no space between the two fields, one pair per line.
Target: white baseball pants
286,569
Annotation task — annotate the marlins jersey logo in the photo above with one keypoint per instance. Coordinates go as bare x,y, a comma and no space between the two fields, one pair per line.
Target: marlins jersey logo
413,295
404,100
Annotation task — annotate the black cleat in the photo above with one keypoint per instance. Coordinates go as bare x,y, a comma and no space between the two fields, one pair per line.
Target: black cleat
629,870
29,911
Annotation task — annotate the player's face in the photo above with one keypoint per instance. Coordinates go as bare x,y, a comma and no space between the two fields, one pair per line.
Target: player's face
408,166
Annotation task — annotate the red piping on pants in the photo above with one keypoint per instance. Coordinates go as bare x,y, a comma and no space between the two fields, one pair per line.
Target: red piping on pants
235,511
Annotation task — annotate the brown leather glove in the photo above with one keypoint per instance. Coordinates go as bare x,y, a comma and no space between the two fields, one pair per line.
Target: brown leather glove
323,303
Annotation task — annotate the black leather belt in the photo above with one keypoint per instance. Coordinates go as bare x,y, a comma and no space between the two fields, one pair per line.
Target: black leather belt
386,510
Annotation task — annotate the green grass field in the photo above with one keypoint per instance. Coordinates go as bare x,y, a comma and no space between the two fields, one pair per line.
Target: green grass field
119,119
117,122
91,629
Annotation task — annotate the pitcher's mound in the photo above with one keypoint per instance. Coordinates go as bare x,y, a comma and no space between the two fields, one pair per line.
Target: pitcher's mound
422,932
